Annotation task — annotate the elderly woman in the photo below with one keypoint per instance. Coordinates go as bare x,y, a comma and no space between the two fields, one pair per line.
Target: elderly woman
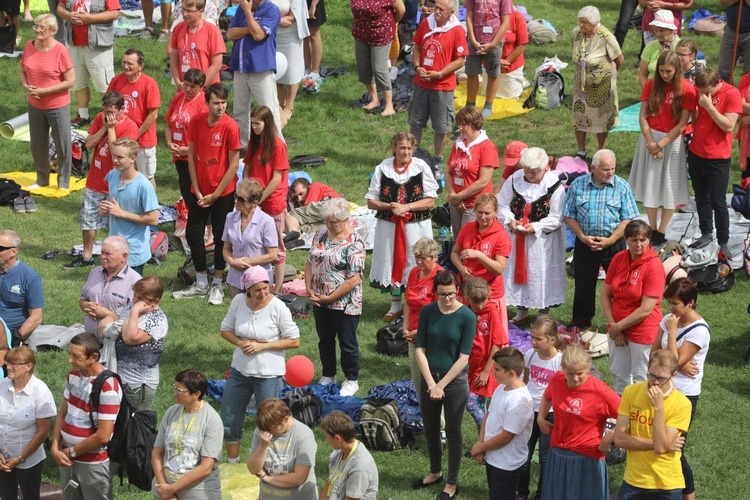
597,58
333,278
261,328
630,300
582,404
374,29
531,205
292,31
250,237
282,454
444,340
402,190
188,446
26,409
471,164
665,31
46,73
139,330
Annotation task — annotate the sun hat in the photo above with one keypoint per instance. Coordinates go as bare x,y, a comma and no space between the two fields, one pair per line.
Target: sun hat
512,154
664,19
254,275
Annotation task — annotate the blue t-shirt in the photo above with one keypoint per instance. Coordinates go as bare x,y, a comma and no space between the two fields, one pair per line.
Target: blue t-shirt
137,196
20,290
249,56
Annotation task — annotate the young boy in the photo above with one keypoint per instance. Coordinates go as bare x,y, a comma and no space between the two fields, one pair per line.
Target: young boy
503,438
352,472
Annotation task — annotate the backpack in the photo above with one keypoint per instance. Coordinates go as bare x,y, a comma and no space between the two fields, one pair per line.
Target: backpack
133,437
304,405
441,215
297,305
186,272
8,38
380,425
159,244
9,191
548,91
391,341
716,278
541,32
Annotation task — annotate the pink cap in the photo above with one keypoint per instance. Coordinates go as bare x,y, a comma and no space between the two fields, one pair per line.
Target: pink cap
513,153
253,275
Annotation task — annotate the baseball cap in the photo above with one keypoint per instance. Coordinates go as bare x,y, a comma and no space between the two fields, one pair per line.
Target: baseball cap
512,153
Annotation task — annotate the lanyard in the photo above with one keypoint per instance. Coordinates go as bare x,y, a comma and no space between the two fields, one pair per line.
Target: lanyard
178,122
191,44
179,439
338,469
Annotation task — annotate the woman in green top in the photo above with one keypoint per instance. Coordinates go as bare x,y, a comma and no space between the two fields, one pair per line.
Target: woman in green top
666,39
444,338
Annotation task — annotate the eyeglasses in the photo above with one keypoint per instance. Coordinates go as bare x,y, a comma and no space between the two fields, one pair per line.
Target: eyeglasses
239,198
2,249
36,27
189,11
684,55
660,380
448,295
16,365
178,390
424,257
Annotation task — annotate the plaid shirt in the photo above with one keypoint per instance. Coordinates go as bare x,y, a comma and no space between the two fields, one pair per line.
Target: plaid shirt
599,210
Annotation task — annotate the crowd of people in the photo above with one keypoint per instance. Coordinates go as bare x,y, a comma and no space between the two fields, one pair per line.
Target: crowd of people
508,250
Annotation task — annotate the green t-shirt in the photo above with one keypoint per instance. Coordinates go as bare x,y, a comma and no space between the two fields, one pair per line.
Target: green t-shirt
651,53
445,336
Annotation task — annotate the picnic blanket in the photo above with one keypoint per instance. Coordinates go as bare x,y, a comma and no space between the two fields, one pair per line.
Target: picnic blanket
28,178
629,119
501,108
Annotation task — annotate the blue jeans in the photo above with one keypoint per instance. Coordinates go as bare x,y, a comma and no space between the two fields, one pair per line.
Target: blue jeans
330,325
502,483
237,393
628,492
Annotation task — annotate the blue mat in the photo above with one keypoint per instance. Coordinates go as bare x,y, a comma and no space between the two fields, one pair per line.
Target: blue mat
629,119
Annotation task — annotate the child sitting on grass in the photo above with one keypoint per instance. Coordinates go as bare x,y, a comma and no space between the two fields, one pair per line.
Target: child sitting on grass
503,438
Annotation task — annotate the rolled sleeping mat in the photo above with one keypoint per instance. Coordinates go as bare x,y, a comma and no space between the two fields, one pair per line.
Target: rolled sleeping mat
14,127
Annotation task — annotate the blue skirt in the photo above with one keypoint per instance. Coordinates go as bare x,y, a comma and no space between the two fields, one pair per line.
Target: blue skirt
571,476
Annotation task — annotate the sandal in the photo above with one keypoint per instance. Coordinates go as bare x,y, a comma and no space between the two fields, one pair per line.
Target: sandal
391,316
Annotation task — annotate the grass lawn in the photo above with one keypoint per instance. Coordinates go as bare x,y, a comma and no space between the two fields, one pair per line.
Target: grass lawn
326,124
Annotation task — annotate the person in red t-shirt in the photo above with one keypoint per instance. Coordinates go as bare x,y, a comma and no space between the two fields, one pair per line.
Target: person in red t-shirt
630,299
510,83
659,174
213,159
142,101
582,405
439,51
108,126
195,43
743,134
266,161
511,162
304,192
710,154
308,216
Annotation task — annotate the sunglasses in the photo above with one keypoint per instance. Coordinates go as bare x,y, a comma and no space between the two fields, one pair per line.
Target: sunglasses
2,248
239,198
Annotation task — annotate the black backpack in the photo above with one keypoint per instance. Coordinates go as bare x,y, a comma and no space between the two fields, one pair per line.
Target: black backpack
548,91
380,425
304,405
716,278
391,341
133,437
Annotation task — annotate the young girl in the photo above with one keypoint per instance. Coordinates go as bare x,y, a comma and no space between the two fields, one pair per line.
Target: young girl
266,161
658,175
541,363
490,337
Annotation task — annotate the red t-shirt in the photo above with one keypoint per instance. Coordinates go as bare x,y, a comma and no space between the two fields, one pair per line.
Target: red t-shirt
437,51
709,141
465,169
195,50
419,293
101,161
492,242
510,170
276,202
630,281
319,192
45,69
490,332
81,32
179,114
374,23
580,413
664,121
211,147
516,35
744,84
140,96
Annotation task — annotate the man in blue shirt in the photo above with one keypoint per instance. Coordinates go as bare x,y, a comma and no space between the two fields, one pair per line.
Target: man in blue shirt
21,293
598,206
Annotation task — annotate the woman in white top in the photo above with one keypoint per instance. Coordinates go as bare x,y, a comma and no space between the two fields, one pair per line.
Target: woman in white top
26,410
685,333
261,328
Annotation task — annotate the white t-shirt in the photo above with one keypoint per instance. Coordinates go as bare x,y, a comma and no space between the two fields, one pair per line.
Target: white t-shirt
512,411
540,373
273,322
700,336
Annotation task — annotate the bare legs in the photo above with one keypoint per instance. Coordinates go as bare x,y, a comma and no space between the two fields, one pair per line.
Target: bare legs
313,50
601,138
287,95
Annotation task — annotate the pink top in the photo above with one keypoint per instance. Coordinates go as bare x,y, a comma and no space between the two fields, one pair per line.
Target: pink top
45,69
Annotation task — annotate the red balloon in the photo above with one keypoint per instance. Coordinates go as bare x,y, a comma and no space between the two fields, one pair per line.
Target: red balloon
299,371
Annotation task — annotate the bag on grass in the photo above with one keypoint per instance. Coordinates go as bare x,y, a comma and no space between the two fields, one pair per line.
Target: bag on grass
304,405
548,91
8,38
380,425
741,200
297,305
391,341
570,335
541,32
595,343
716,278
159,246
186,272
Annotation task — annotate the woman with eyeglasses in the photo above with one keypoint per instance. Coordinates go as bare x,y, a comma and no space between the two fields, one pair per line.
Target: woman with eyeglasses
261,328
188,446
26,410
445,336
250,237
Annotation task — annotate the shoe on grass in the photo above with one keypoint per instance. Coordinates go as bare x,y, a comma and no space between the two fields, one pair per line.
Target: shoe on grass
163,36
79,122
314,88
216,294
291,236
19,206
147,34
194,291
30,204
326,380
79,262
349,388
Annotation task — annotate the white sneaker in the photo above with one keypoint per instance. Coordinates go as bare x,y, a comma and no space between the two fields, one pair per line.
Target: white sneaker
191,292
216,295
326,380
349,387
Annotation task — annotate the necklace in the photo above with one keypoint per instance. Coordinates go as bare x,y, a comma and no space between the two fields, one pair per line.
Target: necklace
401,170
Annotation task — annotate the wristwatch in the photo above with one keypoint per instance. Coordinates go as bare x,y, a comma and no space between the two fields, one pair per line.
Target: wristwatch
72,452
20,457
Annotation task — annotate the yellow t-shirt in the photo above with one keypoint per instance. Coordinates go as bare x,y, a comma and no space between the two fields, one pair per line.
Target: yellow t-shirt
646,469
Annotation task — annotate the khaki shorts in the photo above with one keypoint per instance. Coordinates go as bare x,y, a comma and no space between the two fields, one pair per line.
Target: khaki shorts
96,64
145,162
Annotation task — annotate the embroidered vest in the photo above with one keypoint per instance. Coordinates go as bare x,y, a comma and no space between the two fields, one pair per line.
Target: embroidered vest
408,192
539,207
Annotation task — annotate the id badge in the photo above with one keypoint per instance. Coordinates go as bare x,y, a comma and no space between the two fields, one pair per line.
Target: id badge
459,181
97,164
185,68
177,136
427,62
173,464
486,29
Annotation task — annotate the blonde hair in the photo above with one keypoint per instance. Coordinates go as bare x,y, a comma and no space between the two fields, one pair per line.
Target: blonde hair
575,355
548,327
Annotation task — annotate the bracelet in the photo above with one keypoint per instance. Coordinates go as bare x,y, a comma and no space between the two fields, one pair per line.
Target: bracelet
440,75
410,208
417,67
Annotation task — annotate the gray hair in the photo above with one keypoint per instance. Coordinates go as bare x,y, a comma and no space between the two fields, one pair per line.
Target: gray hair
49,20
454,5
337,208
591,14
118,243
602,153
534,158
15,240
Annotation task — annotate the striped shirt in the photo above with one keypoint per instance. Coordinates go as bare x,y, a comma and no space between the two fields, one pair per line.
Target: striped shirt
600,209
77,426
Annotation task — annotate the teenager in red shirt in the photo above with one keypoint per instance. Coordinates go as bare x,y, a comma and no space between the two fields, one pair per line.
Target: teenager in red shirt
266,161
195,43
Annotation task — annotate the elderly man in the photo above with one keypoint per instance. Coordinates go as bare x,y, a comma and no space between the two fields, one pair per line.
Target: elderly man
21,294
598,206
109,286
439,50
